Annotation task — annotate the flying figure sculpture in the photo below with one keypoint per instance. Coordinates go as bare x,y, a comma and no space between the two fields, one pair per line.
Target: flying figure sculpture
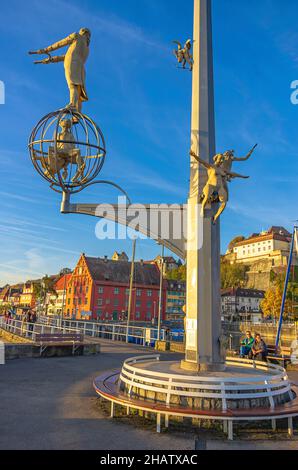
183,55
219,175
74,64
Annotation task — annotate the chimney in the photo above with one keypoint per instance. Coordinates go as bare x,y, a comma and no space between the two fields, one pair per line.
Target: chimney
106,259
141,262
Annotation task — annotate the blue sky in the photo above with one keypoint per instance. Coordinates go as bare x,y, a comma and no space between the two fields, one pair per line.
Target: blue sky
142,103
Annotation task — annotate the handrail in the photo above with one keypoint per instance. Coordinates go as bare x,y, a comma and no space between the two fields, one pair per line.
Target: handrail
229,361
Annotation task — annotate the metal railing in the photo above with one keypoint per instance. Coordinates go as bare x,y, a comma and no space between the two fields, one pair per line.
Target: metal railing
31,330
115,332
271,383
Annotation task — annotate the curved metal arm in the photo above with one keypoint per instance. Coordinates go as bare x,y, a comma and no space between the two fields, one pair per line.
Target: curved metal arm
110,183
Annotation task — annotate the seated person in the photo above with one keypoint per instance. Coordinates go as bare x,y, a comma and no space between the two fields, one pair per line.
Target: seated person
246,344
259,349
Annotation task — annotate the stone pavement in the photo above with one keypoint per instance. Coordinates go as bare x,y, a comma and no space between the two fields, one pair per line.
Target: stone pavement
50,404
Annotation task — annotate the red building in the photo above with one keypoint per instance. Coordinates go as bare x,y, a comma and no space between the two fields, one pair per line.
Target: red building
99,289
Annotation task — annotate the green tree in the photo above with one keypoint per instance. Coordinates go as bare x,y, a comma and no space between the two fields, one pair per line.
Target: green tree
178,274
235,240
271,305
44,286
233,275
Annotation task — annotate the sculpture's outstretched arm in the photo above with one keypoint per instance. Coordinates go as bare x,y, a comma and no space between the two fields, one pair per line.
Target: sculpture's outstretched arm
57,45
199,160
51,60
236,175
178,44
243,159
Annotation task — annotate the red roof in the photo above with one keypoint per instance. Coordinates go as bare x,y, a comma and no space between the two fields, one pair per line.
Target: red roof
62,282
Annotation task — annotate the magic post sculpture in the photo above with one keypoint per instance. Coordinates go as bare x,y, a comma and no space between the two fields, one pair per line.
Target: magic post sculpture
67,148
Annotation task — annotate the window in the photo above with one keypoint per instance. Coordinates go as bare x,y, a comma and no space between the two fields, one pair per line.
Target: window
126,291
138,303
148,316
116,302
149,304
86,300
139,292
116,290
99,302
68,301
138,315
149,293
100,290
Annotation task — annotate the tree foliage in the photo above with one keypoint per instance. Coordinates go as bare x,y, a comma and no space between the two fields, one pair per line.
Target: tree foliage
235,240
271,305
178,274
233,275
43,287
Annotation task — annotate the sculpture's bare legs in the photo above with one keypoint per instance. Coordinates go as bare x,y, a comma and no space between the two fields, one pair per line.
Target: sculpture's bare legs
208,191
223,198
75,97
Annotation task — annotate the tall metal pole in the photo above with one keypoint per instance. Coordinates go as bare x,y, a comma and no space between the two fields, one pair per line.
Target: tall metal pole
160,292
132,270
284,297
203,326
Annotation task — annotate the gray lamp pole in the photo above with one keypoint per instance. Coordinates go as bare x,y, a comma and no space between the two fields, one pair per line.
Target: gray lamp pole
160,292
131,286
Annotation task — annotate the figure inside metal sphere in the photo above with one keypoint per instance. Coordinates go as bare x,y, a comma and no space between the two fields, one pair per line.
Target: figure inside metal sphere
68,156
66,153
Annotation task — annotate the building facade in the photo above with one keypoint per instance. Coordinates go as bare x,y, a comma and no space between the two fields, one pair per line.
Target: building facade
176,299
27,297
241,303
272,245
99,289
56,303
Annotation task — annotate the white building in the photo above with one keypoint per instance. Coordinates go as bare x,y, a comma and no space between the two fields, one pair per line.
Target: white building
243,303
272,245
56,303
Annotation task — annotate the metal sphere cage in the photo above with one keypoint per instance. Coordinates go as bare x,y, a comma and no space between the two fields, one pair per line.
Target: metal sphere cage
67,148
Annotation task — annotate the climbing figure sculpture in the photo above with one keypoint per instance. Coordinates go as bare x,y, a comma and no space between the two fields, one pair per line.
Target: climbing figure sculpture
183,55
216,188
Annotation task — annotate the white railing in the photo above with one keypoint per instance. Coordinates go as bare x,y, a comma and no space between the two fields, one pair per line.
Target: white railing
273,382
115,332
30,330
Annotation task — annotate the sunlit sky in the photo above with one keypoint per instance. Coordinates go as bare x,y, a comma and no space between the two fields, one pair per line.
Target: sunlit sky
142,103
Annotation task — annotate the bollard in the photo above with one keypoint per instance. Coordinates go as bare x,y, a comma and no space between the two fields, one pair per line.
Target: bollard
2,353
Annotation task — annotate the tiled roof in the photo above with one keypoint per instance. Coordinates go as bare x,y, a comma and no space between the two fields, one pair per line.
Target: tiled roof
274,233
240,292
62,281
119,271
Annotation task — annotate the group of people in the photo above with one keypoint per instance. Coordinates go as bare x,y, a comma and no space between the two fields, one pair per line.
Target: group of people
253,347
